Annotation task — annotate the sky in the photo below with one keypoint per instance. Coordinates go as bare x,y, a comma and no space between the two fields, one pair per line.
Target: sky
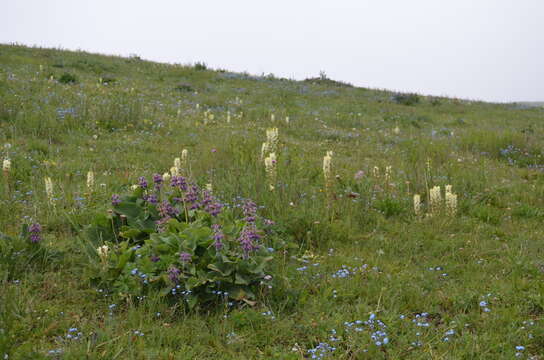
490,50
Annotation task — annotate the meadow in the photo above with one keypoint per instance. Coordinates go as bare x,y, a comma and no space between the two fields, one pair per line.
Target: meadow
358,270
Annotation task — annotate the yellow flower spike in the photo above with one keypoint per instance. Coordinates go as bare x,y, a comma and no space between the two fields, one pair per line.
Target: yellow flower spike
90,180
417,204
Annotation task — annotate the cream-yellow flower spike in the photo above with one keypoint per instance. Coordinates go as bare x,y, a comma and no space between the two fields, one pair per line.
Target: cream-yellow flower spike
451,201
49,189
435,199
417,204
90,180
327,166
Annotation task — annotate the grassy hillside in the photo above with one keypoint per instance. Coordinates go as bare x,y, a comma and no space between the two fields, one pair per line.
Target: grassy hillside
463,285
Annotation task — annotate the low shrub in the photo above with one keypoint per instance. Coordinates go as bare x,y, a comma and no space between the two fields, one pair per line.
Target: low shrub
200,66
108,80
179,241
406,99
323,79
184,87
67,78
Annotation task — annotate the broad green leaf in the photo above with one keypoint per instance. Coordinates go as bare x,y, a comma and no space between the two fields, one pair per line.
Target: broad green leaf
129,209
241,279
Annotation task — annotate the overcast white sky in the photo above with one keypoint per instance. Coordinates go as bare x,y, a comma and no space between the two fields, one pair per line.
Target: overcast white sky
478,49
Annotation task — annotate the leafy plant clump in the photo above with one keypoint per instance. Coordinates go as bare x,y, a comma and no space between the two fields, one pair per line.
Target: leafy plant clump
178,240
200,66
67,78
406,99
184,87
323,79
21,253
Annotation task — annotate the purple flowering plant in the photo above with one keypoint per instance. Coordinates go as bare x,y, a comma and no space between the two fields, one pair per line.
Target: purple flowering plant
20,253
177,239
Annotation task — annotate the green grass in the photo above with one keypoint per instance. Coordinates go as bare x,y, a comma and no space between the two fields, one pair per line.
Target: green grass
142,114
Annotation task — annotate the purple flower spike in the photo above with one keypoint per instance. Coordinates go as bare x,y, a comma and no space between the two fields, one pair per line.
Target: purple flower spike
35,232
185,257
161,223
250,211
115,199
206,198
218,236
166,209
152,199
191,197
359,175
214,208
157,179
179,182
248,239
142,182
173,274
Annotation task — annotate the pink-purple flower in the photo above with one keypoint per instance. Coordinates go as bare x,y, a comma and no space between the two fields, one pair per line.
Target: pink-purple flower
35,231
185,257
218,236
174,273
115,199
359,175
142,182
248,239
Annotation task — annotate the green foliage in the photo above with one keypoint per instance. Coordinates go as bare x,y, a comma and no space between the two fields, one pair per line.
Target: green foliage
18,256
406,99
324,80
108,80
184,87
390,207
200,66
68,78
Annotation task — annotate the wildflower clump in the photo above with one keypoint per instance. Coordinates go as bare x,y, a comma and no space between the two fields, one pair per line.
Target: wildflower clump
24,252
437,204
177,239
